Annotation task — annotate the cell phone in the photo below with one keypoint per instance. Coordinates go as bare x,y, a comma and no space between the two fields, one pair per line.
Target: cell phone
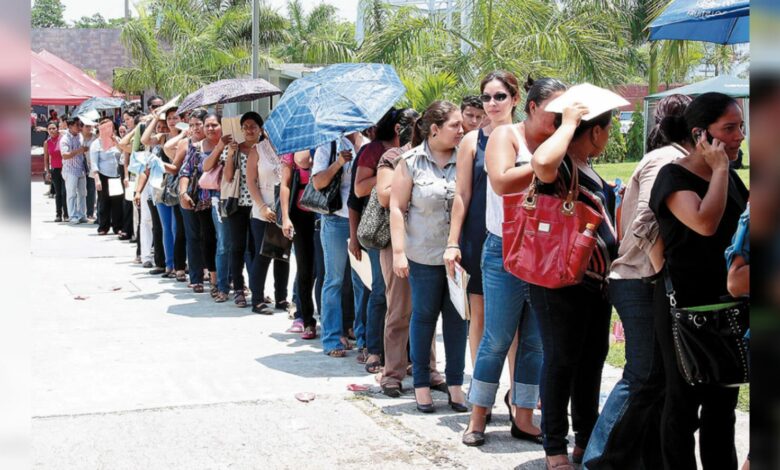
182,126
698,133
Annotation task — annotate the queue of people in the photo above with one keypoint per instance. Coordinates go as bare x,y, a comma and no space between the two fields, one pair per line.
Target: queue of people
439,177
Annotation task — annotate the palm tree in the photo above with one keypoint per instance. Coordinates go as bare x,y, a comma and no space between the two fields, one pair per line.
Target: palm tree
572,41
178,46
318,37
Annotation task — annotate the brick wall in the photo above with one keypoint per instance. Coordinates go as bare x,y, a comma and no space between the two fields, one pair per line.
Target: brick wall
97,50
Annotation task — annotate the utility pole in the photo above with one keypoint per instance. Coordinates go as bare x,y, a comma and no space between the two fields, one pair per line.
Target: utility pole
255,43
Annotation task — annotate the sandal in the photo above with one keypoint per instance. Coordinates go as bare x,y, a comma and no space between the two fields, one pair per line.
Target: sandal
362,356
347,345
240,299
220,297
392,390
337,353
181,277
310,332
198,288
373,367
214,291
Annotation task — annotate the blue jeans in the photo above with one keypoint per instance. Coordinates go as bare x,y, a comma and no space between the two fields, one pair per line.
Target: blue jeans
334,234
377,307
361,296
430,295
507,310
636,401
194,251
168,222
222,256
76,196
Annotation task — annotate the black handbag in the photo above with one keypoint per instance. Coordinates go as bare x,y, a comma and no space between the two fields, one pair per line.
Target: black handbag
294,187
230,191
709,341
374,228
275,245
170,190
328,200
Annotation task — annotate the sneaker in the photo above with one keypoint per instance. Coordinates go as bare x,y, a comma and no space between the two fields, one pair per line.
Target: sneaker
297,326
58,219
310,332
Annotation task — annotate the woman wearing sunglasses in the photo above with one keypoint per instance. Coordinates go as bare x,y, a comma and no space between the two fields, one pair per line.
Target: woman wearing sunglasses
508,313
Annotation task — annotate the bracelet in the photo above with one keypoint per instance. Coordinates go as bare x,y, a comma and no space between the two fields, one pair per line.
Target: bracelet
453,246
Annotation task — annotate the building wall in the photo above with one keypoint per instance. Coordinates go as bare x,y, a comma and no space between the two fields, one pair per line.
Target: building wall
98,50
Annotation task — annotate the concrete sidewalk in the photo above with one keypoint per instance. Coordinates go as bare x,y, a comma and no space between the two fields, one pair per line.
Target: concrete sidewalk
143,373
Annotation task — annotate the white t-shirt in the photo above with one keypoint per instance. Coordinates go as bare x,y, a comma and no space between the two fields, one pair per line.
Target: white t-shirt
322,162
494,210
268,174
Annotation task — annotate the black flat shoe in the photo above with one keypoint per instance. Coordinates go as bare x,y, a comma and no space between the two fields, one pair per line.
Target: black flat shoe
473,438
488,418
524,436
458,407
425,408
509,407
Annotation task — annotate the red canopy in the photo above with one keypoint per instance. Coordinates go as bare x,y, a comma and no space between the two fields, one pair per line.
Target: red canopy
99,89
49,87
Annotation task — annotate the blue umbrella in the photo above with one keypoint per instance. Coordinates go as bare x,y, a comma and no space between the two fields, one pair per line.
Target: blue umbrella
337,100
718,21
98,104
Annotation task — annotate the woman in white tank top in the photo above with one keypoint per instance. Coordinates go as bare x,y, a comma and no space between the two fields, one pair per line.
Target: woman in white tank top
508,312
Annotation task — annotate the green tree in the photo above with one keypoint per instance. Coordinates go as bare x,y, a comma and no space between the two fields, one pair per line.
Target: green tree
94,21
177,46
635,137
616,145
573,41
47,14
317,37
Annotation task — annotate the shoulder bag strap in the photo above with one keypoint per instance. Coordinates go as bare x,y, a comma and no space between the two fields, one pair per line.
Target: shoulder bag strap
670,293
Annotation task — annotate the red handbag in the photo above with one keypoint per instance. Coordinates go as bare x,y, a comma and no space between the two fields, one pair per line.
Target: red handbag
543,236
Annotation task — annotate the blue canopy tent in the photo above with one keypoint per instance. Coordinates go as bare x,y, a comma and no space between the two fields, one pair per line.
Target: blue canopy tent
718,21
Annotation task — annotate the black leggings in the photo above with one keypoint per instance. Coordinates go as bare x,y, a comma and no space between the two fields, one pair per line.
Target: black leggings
180,242
303,241
208,239
238,224
157,236
58,186
110,211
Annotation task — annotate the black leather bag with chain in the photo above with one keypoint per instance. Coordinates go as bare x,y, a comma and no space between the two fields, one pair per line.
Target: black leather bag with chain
328,200
709,341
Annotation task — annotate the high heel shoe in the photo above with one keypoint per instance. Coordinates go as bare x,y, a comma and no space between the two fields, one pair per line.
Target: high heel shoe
457,407
518,433
425,407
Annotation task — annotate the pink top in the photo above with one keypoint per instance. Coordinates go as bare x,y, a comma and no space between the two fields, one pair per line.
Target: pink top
55,156
304,174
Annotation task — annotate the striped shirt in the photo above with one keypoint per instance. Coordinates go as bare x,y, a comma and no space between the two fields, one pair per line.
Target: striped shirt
75,166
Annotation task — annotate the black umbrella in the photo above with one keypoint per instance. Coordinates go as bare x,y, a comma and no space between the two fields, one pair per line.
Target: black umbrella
231,90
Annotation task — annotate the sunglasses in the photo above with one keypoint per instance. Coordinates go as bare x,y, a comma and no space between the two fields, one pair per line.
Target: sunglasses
499,97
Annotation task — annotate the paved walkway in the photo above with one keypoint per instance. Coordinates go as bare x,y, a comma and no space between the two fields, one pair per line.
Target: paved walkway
144,374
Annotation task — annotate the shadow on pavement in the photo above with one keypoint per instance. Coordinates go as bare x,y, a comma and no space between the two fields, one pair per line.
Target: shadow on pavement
310,364
204,307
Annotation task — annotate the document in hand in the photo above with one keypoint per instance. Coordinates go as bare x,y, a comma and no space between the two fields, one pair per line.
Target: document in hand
458,294
362,267
232,126
115,187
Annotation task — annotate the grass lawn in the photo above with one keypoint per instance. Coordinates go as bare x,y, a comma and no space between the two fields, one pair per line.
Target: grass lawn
616,357
610,171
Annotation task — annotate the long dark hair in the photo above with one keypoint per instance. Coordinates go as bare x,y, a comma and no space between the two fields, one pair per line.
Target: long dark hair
669,122
437,113
704,110
406,120
540,90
